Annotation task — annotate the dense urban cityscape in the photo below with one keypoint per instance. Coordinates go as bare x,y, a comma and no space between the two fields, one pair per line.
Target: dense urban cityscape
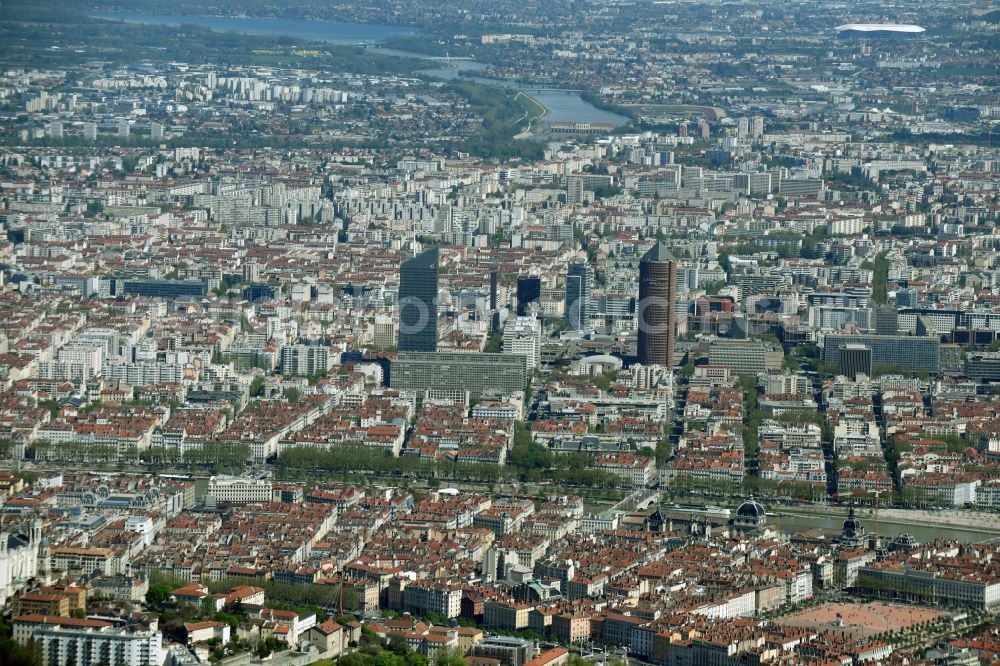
499,334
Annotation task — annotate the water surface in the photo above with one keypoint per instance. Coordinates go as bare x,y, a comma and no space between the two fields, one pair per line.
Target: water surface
562,105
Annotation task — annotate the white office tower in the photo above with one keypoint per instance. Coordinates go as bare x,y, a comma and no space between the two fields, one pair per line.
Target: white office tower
523,335
384,334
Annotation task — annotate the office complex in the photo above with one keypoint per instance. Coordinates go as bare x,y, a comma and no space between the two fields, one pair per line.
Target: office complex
384,333
745,356
854,360
418,288
983,366
454,373
166,288
70,640
886,320
306,359
507,650
905,352
262,292
657,320
579,284
578,184
529,290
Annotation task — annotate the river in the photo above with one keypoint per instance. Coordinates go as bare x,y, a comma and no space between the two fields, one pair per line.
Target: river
561,105
920,524
788,519
890,528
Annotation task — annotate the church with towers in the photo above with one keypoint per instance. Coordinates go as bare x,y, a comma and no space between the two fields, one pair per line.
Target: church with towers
23,556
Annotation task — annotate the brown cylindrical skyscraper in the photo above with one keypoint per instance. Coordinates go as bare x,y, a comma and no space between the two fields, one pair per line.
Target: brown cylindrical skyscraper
656,309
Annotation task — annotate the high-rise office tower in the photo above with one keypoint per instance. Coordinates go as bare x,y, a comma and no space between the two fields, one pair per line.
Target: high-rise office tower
384,333
855,360
523,335
579,282
418,288
886,320
656,311
907,298
251,271
495,318
743,128
574,189
529,290
494,282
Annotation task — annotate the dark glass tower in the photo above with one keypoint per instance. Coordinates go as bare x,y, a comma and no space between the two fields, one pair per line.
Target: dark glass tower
886,320
855,360
656,310
494,283
579,282
529,290
418,289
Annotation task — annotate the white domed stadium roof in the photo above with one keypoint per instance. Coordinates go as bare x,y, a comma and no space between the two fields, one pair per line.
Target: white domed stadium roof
879,27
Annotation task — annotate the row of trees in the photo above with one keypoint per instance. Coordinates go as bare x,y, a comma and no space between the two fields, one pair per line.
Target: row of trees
296,596
529,462
686,484
84,452
347,460
225,456
880,269
752,417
